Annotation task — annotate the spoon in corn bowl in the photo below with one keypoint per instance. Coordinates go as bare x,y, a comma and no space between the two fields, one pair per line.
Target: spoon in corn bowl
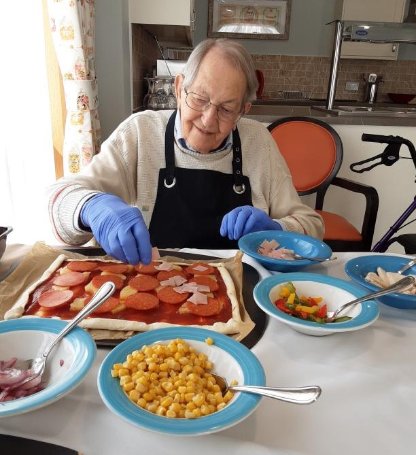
297,395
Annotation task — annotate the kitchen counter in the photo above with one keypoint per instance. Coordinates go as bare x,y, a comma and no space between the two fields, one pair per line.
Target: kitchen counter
267,111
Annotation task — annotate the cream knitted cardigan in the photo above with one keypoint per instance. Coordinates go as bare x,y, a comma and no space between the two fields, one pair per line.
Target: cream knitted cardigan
129,162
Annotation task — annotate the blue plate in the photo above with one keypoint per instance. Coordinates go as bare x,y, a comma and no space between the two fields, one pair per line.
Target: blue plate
358,268
335,292
299,243
225,351
66,367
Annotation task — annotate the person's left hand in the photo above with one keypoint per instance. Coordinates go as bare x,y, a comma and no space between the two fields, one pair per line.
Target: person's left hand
246,219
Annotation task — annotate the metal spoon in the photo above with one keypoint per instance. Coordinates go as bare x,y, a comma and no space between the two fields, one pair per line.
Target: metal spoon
297,395
401,284
316,259
37,365
407,266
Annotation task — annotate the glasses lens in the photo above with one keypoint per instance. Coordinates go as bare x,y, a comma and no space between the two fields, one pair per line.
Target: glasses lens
200,104
196,102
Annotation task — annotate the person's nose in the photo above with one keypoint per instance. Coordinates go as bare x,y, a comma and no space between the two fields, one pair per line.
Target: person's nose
210,116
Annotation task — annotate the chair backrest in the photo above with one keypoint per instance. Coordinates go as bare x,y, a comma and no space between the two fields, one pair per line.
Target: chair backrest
312,149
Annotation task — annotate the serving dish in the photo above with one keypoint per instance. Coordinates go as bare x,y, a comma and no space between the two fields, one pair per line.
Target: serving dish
231,359
66,367
301,244
357,269
334,291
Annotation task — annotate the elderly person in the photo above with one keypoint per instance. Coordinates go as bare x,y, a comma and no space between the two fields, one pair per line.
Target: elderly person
201,176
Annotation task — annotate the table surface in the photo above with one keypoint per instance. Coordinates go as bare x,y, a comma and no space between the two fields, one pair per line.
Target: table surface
367,406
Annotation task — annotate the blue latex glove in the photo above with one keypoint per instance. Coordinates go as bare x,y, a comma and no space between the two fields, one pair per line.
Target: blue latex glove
118,228
246,219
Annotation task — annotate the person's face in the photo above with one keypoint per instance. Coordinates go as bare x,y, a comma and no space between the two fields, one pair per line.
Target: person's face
221,84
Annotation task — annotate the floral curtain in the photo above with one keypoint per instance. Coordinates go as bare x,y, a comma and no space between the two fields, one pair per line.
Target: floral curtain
73,32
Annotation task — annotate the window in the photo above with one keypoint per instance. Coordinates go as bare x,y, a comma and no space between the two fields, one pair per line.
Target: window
26,149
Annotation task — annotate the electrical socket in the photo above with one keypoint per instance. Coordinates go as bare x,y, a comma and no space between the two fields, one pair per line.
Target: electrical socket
352,86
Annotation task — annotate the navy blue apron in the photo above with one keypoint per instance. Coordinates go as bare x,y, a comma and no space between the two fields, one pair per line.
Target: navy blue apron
191,203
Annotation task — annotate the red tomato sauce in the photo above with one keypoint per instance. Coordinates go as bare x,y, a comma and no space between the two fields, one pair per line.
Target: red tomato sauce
164,313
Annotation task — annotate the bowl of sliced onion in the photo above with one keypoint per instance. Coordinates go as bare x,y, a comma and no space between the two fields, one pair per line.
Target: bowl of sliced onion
278,250
68,364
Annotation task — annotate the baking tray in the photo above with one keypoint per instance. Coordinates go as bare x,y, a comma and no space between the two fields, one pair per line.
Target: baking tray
250,279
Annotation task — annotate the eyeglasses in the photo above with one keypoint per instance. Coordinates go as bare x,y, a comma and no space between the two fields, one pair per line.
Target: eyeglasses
200,104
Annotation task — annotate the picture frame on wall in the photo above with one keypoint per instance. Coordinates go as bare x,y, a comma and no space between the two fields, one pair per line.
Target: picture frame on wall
244,19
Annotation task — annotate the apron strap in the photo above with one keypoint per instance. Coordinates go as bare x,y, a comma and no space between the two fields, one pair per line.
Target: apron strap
170,179
238,186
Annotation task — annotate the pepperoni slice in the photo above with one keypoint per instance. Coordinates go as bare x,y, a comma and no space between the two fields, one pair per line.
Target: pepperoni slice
78,291
81,266
70,279
54,299
142,301
205,281
99,280
205,269
212,308
115,268
168,295
107,306
148,269
166,274
144,283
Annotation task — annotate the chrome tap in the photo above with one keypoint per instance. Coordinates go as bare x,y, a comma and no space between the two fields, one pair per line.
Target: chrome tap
372,87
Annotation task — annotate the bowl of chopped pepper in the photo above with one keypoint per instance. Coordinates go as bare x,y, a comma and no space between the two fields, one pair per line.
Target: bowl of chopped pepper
303,300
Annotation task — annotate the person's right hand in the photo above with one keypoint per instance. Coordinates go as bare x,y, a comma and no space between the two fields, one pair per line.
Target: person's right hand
118,228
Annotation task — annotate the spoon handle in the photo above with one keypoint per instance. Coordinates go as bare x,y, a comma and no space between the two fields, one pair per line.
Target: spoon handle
297,395
401,284
315,259
407,266
105,291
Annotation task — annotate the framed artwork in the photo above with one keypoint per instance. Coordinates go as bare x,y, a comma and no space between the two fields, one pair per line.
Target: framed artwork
263,19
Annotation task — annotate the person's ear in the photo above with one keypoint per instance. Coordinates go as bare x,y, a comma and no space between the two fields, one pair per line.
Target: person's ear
178,87
247,107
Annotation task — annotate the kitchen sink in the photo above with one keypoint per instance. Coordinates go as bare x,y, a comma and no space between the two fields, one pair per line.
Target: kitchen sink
373,111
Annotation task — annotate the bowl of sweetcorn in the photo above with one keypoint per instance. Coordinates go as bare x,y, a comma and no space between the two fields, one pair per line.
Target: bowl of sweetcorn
228,358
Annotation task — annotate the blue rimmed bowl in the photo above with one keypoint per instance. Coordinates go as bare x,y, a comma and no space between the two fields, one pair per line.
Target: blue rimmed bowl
301,244
231,360
66,367
334,291
358,268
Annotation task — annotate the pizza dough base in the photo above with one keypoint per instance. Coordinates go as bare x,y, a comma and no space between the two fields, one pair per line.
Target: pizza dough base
232,326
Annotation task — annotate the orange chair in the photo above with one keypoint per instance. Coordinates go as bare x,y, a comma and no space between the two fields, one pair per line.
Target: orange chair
313,151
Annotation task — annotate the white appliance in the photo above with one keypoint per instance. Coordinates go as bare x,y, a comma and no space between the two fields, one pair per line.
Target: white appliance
175,67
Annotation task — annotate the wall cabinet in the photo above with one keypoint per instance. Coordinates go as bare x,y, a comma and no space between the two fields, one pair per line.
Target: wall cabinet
374,11
163,12
172,22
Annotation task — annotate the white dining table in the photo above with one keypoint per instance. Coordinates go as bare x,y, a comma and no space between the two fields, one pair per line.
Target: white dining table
367,406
